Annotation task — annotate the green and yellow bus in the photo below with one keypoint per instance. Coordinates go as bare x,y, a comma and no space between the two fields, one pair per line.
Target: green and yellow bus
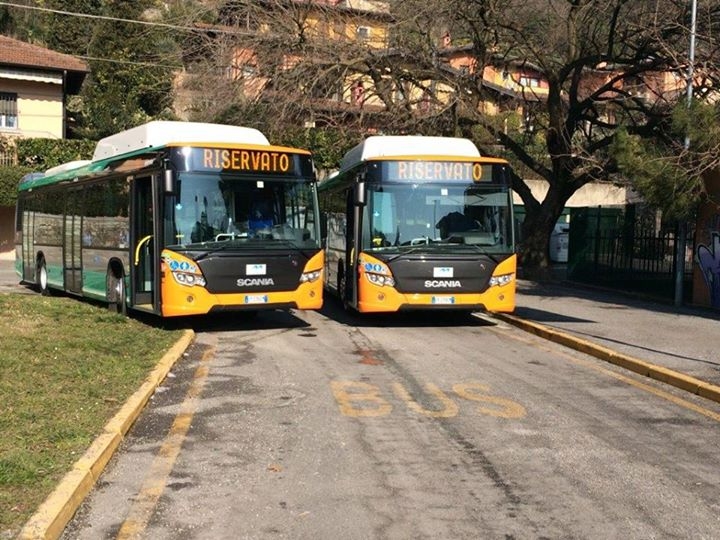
176,218
414,222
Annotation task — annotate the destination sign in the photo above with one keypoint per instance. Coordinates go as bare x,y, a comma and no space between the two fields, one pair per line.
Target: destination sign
429,171
243,160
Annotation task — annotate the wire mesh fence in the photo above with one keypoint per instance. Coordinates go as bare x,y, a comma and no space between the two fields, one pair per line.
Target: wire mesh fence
622,248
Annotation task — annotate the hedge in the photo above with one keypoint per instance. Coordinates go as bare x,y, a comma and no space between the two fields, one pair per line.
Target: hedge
9,178
45,153
34,155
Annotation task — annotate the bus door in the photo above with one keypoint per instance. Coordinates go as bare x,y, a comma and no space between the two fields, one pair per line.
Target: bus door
72,242
143,245
28,246
352,240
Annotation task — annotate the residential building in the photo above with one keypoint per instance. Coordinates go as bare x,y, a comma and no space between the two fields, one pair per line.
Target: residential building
34,85
252,53
513,84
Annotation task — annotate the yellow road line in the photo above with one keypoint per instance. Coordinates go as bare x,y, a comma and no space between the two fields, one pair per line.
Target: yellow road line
156,480
57,510
637,384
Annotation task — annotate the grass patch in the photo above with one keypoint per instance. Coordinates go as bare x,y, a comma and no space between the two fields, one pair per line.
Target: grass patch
66,367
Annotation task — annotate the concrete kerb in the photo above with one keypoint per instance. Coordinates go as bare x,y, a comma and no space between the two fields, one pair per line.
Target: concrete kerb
665,375
55,512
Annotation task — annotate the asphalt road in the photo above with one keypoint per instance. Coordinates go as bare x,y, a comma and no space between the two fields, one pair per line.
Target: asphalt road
316,425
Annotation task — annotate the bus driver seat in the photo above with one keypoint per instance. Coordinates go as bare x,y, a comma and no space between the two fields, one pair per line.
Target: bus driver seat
455,222
260,219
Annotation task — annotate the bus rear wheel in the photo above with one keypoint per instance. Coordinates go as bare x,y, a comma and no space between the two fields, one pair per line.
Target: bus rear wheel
41,277
116,292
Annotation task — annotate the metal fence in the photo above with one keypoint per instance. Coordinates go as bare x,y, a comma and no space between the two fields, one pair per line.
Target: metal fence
623,248
8,158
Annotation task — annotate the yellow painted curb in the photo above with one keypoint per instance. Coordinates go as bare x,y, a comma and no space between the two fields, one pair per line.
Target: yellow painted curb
662,374
55,512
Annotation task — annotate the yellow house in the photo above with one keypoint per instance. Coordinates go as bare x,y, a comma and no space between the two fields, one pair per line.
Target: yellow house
514,83
34,85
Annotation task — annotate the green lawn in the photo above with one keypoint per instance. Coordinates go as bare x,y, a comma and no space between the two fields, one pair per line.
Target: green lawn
66,367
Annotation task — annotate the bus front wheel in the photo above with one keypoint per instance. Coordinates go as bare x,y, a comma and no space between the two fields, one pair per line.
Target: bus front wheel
116,292
41,277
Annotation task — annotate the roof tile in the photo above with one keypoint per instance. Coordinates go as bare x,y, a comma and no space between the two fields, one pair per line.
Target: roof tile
19,53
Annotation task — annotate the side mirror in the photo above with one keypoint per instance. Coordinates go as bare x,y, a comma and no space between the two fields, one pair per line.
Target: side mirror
169,186
360,194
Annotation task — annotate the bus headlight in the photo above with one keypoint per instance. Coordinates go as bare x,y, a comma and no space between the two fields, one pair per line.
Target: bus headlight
309,277
504,279
188,279
381,280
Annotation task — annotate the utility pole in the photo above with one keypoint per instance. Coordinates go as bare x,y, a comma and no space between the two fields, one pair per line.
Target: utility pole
681,228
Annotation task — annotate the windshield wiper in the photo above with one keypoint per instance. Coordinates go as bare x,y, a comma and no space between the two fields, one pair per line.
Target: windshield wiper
213,251
250,244
483,251
294,245
405,250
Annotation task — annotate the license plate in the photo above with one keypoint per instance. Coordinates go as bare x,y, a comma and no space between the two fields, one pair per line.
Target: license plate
443,299
256,299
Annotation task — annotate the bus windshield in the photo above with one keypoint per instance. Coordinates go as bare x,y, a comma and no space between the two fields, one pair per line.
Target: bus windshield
438,216
213,211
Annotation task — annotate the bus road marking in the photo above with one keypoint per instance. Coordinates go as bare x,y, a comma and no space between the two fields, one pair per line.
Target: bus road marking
449,410
364,400
364,393
154,485
477,392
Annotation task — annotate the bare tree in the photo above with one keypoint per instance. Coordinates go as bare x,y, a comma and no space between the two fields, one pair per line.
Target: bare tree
613,67
610,66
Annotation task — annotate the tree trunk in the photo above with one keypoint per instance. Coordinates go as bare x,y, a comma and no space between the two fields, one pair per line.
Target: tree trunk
535,252
537,228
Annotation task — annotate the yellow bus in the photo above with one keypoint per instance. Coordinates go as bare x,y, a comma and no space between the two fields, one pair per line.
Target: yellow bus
176,218
416,222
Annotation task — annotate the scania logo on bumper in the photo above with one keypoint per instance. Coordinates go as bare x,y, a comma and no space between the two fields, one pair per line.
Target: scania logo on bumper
442,283
253,282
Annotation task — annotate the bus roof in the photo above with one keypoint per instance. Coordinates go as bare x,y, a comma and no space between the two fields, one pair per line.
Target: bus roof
138,140
165,132
386,146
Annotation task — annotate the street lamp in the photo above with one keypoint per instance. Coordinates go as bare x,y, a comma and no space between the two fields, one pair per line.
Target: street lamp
691,63
680,239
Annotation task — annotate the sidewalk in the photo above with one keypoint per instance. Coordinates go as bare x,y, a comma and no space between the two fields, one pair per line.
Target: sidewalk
683,339
9,280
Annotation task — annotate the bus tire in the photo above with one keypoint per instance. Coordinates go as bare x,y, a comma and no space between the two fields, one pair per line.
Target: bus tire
117,302
41,277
